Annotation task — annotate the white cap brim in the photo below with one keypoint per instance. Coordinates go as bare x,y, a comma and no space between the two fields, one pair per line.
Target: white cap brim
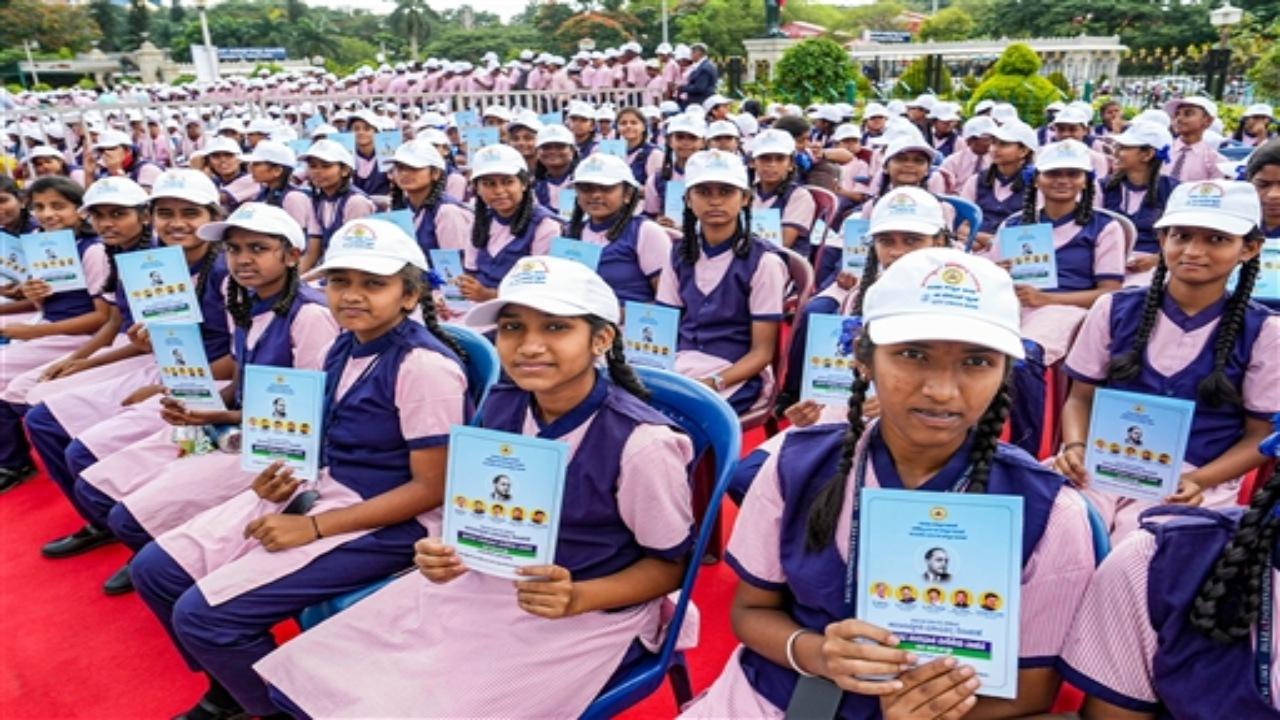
925,326
906,224
486,313
1220,221
372,264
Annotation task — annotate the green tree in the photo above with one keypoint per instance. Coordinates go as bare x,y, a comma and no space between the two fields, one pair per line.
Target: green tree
53,26
138,24
1059,81
817,68
1265,74
949,24
721,24
1014,79
295,10
410,19
914,81
177,13
107,17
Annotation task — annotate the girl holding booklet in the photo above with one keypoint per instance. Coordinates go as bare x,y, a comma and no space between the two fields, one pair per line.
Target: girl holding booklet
66,317
557,157
335,200
15,217
1263,171
547,646
1089,253
276,320
685,136
1000,189
775,186
635,247
271,164
941,370
1186,337
219,582
510,222
417,185
643,157
728,283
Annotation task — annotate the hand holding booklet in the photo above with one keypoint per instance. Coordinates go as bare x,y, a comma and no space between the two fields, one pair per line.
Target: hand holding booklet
283,419
52,257
184,368
1030,253
158,286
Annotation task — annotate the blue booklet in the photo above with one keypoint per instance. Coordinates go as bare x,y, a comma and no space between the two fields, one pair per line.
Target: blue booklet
855,247
313,122
346,140
466,118
673,203
766,223
567,198
818,236
386,142
283,419
828,358
504,493
1136,443
1029,249
448,265
478,137
158,286
584,252
650,333
13,263
1267,284
300,146
184,367
550,118
615,147
52,257
943,572
402,219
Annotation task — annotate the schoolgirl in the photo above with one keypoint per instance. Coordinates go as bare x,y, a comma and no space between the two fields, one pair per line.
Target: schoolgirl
522,134
15,218
1263,172
1111,113
1186,337
117,156
67,319
221,581
456,183
226,167
728,284
643,156
48,160
510,223
367,174
556,161
972,156
1073,124
940,371
417,185
1139,191
853,173
635,247
1255,125
548,646
685,134
1000,190
335,200
581,121
271,165
108,407
907,160
725,136
775,186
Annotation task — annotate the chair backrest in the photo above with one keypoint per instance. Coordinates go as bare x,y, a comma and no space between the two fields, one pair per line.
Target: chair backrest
1130,230
802,282
712,425
825,202
1098,529
482,363
965,212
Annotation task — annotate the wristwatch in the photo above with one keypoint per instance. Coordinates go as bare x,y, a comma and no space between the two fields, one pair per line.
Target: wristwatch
717,381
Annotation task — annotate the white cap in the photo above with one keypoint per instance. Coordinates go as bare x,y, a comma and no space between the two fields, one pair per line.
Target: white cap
1055,106
222,145
261,126
232,124
715,101
374,246
435,136
497,160
260,218
715,166
1016,131
112,139
329,151
747,124
983,106
944,294
874,109
606,114
663,49
1071,116
723,128
554,134
1229,206
418,154
1203,103
1064,155
945,111
896,107
604,169
114,191
669,107
577,108
687,123
847,131
185,184
773,142
1155,116
323,129
40,151
497,111
925,101
830,113
682,53
270,151
1145,134
1259,110
907,209
1004,113
906,142
553,285
978,126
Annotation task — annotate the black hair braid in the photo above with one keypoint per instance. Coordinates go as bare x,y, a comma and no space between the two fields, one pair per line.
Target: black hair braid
203,270
1029,197
742,237
113,273
282,305
1228,601
986,437
824,513
576,221
1216,389
870,272
689,246
480,228
885,183
1127,366
1084,210
668,161
398,198
751,175
239,304
620,371
434,194
1153,182
524,213
624,217
539,170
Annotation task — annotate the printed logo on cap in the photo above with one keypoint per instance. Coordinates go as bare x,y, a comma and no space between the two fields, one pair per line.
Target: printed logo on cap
530,271
359,237
172,182
1205,195
951,285
244,212
719,161
489,154
593,164
902,204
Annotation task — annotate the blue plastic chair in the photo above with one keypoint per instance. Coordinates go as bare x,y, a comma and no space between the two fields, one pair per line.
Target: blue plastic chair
965,212
711,424
482,373
1235,151
1101,536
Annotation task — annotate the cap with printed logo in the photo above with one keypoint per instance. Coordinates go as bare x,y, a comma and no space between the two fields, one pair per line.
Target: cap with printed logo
773,142
374,246
907,209
270,151
979,126
604,169
715,166
497,160
908,142
1016,131
554,135
1144,134
260,218
553,285
418,154
185,184
943,294
112,139
1229,206
222,145
1064,155
685,123
114,191
847,131
329,151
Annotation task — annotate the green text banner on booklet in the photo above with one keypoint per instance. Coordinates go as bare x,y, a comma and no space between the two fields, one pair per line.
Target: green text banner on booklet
448,265
766,224
158,286
1029,251
184,367
503,494
828,359
854,233
943,573
402,219
13,262
283,419
650,333
584,252
673,202
1136,443
52,257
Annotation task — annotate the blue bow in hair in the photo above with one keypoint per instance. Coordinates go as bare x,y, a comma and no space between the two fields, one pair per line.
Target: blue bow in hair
1162,154
1028,173
849,330
1242,173
434,279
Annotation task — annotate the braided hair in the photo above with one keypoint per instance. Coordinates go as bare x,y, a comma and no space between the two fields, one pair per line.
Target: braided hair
871,270
1228,601
520,220
113,273
1127,366
400,200
240,299
668,161
691,247
988,177
415,281
824,513
620,372
1084,207
621,219
1150,200
276,192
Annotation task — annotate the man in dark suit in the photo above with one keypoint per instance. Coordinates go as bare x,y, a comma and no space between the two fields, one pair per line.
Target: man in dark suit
702,78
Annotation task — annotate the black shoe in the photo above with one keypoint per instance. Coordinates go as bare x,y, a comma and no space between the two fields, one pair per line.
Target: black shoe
119,583
10,478
80,541
208,710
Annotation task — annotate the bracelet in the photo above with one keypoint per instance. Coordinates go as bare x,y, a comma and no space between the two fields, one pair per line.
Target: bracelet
1068,446
791,652
316,524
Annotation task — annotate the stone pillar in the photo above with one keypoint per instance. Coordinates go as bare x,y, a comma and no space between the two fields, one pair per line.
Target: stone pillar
764,49
149,59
